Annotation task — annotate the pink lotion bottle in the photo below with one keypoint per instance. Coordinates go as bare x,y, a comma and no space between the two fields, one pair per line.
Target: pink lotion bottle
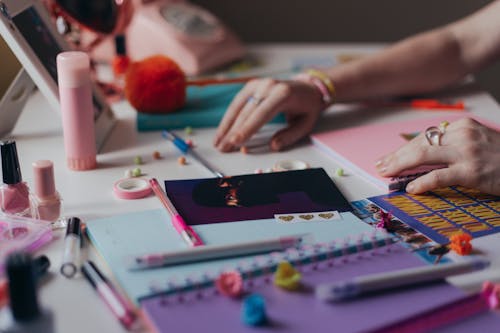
75,95
46,200
14,193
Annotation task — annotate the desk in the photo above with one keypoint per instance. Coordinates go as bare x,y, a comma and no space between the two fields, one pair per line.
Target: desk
89,194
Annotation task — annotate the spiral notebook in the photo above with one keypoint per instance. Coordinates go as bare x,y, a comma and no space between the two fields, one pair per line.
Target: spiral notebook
202,308
119,238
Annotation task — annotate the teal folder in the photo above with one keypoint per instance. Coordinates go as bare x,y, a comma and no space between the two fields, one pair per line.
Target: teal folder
205,107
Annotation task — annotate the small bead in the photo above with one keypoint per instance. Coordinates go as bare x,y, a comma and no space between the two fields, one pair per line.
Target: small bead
188,130
190,143
181,160
258,170
339,172
137,160
287,277
128,173
230,284
137,172
253,310
156,155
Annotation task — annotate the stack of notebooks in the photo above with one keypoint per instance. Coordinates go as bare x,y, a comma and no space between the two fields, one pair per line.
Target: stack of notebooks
359,148
183,299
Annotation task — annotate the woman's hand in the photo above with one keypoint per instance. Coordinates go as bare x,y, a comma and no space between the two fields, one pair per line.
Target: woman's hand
470,150
260,101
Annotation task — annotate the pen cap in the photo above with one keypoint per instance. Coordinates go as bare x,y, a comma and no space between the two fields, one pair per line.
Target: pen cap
120,46
73,227
41,265
43,173
11,172
22,287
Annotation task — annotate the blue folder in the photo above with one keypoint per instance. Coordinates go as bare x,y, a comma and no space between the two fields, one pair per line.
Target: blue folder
205,107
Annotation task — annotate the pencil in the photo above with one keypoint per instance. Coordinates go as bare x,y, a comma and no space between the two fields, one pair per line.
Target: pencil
187,233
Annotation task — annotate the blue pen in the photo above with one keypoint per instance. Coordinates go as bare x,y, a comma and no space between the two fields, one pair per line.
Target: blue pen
186,149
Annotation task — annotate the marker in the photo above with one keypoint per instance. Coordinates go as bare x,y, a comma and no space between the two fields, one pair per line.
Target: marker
187,233
72,243
399,183
446,314
115,302
342,290
187,149
211,252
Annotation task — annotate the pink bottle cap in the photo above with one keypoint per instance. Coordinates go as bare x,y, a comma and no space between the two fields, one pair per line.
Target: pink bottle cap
43,172
73,68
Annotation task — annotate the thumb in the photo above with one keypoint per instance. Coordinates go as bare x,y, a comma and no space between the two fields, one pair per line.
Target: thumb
296,130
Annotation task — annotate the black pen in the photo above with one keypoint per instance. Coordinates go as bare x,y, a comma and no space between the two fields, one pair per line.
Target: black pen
120,307
399,183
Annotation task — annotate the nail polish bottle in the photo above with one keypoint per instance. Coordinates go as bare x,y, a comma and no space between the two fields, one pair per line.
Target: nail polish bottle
46,200
14,193
25,315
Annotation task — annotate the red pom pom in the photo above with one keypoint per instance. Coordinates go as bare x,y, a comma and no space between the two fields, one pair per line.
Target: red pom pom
155,85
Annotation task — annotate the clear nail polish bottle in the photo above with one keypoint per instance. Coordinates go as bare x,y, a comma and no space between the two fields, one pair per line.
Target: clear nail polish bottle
14,193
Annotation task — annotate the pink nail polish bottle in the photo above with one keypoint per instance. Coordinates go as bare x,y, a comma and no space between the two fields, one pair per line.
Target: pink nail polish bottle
46,200
14,193
75,94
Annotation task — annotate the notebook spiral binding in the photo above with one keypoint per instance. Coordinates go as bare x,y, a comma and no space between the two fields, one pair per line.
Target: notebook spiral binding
309,256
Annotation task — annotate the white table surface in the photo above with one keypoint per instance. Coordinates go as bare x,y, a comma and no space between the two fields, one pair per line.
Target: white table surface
89,195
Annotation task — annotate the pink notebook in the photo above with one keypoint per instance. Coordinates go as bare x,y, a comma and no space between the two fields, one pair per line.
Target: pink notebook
358,148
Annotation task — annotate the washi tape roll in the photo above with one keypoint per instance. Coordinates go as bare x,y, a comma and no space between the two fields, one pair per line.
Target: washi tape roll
287,165
132,188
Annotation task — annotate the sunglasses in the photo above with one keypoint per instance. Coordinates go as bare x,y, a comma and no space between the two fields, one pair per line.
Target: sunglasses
102,16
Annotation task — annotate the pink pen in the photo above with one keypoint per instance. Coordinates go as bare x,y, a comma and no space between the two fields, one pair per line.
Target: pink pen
120,307
187,233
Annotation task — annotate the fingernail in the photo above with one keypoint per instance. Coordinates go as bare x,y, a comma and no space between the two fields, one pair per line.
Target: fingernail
410,188
381,164
226,146
275,145
235,139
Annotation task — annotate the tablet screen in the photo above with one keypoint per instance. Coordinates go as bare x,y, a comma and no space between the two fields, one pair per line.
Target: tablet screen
43,44
39,38
10,67
31,35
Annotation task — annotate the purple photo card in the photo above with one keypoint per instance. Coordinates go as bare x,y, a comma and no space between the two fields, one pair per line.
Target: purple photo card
255,196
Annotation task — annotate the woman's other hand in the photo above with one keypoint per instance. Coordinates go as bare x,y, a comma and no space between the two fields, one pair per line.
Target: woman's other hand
470,150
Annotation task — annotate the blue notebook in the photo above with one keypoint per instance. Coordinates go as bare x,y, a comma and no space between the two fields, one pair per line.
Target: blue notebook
118,238
205,107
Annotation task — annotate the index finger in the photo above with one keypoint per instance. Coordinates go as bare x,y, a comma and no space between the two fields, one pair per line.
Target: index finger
415,153
233,110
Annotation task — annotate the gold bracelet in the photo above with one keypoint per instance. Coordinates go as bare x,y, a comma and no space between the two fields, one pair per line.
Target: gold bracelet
324,78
